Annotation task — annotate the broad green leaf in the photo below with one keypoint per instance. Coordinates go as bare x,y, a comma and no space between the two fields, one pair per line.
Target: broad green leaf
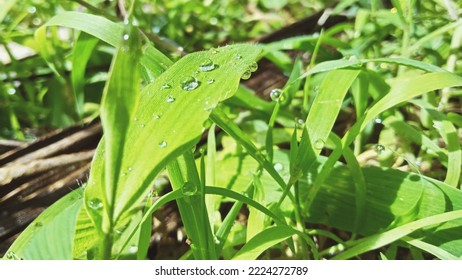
169,121
262,241
50,236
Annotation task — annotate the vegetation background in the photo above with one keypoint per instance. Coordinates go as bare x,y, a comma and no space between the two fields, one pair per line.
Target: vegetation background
343,142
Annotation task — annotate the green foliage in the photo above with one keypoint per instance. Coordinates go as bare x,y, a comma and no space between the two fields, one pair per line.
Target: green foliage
366,140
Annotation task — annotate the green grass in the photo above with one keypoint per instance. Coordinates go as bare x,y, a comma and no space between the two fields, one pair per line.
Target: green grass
358,154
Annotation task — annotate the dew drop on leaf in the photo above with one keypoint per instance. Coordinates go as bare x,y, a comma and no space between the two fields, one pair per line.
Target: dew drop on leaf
207,65
378,120
162,144
166,86
210,81
238,56
253,66
278,166
189,188
379,148
133,249
300,122
246,75
142,125
12,256
319,144
275,94
130,169
95,204
156,116
189,84
170,99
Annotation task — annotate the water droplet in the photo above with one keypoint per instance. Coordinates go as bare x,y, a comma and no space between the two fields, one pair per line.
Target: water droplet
319,144
275,94
133,249
278,166
246,75
95,204
130,169
437,124
162,144
156,117
126,36
170,99
238,56
253,66
213,21
32,10
11,91
190,83
135,119
207,65
189,188
378,120
12,256
166,86
300,122
379,148
142,125
216,240
210,81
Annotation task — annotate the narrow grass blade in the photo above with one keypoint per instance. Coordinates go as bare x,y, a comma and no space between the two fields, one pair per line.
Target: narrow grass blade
321,118
83,49
234,131
184,176
341,63
256,220
145,232
403,90
381,239
212,202
451,137
262,241
153,61
429,248
119,103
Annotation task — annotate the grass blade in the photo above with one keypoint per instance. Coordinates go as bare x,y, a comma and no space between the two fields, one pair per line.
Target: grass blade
381,239
262,241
